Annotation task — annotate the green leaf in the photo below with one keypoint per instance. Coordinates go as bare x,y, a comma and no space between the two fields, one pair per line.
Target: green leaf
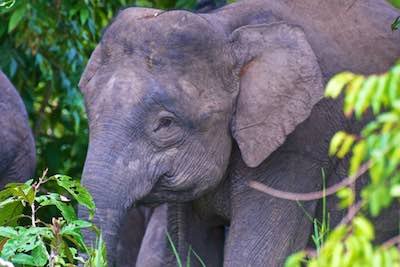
337,255
351,94
24,259
396,24
40,254
346,197
71,231
365,94
77,191
379,98
337,83
395,3
144,3
394,84
16,17
376,171
199,259
174,250
336,141
8,232
359,152
99,256
363,228
84,15
346,145
66,210
295,260
26,240
10,211
38,258
6,193
395,191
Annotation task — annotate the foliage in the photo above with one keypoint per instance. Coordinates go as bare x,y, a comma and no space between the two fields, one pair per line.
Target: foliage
396,23
375,150
29,238
45,46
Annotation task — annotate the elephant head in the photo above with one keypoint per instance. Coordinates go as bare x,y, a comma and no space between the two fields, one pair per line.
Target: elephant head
167,94
17,147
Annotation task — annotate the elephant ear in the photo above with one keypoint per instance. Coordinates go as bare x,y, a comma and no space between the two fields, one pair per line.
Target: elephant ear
91,68
280,82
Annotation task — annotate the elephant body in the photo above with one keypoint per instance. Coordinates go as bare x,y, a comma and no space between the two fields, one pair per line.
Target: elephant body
187,108
17,147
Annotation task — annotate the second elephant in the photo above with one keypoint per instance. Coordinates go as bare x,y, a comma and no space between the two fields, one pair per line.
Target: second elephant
17,146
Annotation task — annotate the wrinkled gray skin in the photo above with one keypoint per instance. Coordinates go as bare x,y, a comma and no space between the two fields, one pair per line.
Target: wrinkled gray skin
186,108
17,147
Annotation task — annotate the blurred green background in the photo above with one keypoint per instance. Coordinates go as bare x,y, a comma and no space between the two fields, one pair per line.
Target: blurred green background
44,47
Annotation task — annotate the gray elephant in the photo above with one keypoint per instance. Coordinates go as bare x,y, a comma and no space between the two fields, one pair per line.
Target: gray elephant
17,146
187,108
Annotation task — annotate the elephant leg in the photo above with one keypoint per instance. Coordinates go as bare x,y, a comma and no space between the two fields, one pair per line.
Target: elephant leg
189,235
265,230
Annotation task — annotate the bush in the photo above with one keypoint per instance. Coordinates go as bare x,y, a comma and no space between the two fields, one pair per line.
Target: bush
32,235
376,151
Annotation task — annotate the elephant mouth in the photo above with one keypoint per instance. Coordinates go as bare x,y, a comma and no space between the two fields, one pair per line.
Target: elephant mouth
166,190
169,188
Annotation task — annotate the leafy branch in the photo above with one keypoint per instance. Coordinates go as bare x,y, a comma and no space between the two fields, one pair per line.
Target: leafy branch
375,150
44,241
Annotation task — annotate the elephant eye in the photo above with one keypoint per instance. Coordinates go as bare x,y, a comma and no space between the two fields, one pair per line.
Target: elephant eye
164,122
167,130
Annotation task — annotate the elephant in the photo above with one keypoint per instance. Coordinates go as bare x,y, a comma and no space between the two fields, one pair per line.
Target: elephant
186,108
130,239
17,149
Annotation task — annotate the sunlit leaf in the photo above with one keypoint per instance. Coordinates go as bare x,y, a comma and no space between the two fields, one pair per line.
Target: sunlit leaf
16,17
77,191
363,228
337,83
336,141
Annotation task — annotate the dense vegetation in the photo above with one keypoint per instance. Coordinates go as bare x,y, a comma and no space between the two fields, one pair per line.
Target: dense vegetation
376,151
30,237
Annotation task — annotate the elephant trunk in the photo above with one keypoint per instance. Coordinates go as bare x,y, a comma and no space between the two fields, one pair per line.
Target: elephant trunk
109,210
115,188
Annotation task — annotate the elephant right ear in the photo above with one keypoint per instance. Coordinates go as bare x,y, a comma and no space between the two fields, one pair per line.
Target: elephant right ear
91,68
280,82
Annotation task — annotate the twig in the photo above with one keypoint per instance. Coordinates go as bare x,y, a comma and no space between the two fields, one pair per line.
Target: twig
33,215
311,253
391,242
35,187
351,213
312,195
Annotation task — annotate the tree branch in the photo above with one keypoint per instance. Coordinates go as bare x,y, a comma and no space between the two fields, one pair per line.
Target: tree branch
391,242
312,195
351,213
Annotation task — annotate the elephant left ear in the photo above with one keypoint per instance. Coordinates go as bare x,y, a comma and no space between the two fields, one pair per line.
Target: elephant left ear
280,82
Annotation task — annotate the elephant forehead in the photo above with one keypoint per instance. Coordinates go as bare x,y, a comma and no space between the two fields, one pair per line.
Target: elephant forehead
125,90
168,36
116,93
